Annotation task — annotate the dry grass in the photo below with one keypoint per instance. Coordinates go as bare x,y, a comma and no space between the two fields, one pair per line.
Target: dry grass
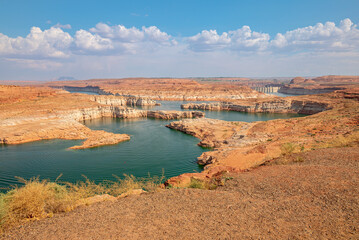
288,148
346,140
38,199
210,184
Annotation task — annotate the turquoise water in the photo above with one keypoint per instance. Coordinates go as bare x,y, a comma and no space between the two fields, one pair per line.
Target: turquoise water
281,94
84,92
224,115
152,148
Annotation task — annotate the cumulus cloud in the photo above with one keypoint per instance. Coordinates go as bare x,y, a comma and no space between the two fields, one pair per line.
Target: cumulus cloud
50,43
132,35
116,40
240,39
209,41
245,38
321,37
100,40
86,41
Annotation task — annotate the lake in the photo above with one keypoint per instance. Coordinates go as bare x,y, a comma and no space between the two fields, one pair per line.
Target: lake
153,148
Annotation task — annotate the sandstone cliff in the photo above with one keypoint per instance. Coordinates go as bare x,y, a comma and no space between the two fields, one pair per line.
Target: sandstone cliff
162,89
271,105
324,84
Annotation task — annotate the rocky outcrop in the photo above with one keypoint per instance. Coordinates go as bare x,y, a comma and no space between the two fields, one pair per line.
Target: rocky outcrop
130,101
174,114
307,91
43,129
319,85
243,146
124,101
101,138
123,112
270,106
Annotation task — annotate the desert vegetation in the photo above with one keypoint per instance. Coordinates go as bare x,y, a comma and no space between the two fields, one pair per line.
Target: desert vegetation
37,199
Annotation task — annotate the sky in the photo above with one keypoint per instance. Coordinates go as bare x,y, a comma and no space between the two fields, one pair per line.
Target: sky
47,39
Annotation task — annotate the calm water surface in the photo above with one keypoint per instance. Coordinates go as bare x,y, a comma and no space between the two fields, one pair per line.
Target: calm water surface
152,148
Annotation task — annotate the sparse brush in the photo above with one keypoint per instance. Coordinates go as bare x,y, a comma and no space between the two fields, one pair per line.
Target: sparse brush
36,199
202,184
288,148
3,210
348,140
40,198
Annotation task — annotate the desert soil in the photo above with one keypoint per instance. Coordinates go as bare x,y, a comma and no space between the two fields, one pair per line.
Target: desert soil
314,196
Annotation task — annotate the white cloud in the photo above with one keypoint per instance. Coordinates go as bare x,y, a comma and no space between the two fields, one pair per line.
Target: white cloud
246,39
50,43
321,37
117,40
101,40
208,41
63,26
122,34
118,32
86,41
241,39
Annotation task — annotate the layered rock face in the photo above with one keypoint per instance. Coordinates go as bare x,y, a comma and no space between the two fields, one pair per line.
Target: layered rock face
125,101
307,91
324,84
130,101
174,114
265,106
163,89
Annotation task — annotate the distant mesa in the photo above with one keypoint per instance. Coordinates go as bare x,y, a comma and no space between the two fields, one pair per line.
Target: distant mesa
66,78
318,85
297,80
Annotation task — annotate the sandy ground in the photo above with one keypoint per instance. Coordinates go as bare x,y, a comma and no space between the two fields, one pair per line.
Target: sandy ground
316,197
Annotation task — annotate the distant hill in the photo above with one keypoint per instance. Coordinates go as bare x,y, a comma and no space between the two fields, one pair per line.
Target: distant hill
66,78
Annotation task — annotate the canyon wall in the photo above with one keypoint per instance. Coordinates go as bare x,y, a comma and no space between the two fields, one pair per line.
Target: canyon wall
124,101
307,91
162,89
269,106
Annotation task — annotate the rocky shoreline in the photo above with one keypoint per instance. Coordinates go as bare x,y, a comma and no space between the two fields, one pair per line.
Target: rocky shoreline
274,105
240,146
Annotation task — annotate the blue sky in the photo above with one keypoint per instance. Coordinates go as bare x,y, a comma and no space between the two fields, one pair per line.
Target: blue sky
47,39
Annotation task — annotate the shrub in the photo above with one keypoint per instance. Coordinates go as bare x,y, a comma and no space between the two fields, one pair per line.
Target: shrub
287,148
202,184
36,199
40,198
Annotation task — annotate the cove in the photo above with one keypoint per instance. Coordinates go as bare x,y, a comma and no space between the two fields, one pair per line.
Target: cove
152,148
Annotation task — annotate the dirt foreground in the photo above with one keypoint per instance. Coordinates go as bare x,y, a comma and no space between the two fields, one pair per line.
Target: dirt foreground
316,198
